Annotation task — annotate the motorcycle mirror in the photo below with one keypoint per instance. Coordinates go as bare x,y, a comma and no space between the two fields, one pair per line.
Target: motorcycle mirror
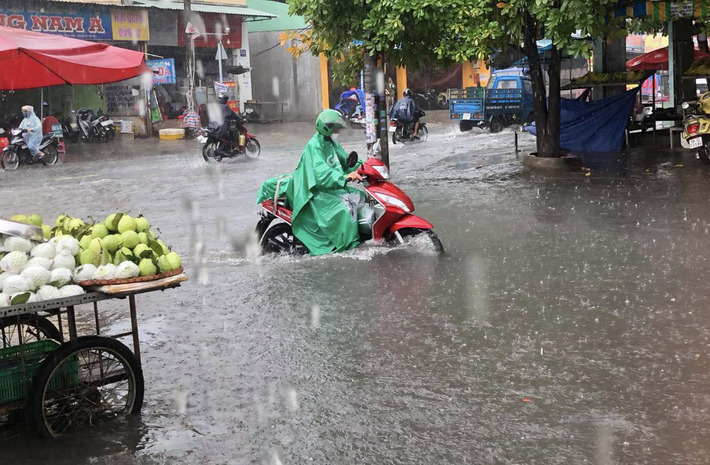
685,105
351,161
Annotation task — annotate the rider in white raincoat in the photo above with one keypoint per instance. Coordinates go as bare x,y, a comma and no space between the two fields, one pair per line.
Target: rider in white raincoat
33,136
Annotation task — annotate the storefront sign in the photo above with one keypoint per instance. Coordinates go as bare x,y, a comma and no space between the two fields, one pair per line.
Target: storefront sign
76,23
214,24
163,70
81,23
130,25
220,88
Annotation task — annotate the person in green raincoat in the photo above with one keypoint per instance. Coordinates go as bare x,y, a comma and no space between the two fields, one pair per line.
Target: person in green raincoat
324,218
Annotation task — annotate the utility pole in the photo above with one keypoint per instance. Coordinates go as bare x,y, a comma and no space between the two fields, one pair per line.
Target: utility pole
382,113
189,56
370,109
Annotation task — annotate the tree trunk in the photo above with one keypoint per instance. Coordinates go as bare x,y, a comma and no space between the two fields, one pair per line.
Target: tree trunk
703,43
547,119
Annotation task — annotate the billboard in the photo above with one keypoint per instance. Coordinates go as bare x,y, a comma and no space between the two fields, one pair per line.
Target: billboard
130,25
121,24
79,23
163,70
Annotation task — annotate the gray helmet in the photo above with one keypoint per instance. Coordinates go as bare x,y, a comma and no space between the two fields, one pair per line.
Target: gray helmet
222,99
407,92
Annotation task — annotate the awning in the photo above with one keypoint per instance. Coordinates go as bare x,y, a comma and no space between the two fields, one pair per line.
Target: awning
247,13
656,60
29,60
661,11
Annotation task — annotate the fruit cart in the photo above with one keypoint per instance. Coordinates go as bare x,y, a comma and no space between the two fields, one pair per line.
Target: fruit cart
65,380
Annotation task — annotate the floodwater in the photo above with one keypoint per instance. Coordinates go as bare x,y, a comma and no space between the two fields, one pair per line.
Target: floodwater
567,323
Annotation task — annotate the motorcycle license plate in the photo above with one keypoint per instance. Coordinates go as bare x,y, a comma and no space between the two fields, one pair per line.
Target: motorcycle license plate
74,126
107,123
201,139
392,128
466,116
696,143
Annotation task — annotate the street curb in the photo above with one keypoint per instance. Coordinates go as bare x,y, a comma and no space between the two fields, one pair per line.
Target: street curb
552,164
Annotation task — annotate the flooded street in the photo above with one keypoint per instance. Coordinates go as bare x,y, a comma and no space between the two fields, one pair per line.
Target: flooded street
566,324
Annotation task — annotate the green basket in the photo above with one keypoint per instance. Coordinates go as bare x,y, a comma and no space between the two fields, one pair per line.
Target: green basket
12,385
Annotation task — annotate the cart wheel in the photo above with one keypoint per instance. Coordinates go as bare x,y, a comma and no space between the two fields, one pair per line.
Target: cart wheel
31,327
90,380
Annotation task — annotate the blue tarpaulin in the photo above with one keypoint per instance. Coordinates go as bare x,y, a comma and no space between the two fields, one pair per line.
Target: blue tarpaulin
594,126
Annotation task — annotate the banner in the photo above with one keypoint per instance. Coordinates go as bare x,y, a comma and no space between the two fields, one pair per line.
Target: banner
163,70
213,23
79,23
130,25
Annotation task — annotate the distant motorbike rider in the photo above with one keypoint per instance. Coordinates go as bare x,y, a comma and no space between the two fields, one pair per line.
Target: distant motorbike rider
227,115
407,112
33,131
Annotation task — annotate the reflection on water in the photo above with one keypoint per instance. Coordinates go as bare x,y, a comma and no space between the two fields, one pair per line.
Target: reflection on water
566,323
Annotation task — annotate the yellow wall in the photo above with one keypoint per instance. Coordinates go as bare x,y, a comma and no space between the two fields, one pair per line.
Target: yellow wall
652,43
474,72
324,82
401,81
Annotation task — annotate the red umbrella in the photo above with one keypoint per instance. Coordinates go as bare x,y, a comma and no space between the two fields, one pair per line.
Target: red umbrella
656,60
31,59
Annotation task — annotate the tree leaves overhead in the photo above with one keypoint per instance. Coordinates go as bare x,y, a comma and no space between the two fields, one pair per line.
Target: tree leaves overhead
412,32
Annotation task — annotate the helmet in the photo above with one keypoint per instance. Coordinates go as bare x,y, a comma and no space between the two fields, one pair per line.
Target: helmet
407,92
328,121
222,99
704,103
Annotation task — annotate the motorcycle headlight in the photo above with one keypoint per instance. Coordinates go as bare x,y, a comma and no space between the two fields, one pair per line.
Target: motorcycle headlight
384,172
391,200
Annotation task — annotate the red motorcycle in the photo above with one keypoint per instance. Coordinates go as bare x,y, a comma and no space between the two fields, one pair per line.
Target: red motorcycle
386,217
237,142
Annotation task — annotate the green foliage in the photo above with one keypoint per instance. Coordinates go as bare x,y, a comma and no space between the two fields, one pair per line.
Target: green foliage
412,32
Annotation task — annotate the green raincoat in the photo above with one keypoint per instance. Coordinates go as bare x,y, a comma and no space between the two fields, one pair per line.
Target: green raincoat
321,218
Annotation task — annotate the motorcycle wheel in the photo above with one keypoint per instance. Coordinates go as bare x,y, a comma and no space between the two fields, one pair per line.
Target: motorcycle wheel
279,239
252,149
9,160
111,134
410,233
423,133
395,137
208,152
51,156
703,154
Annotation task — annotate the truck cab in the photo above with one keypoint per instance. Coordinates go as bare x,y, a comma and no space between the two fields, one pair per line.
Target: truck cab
506,100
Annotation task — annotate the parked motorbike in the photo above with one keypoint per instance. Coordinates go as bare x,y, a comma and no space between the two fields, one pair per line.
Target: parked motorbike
93,126
71,129
404,132
17,153
238,142
696,127
431,100
387,216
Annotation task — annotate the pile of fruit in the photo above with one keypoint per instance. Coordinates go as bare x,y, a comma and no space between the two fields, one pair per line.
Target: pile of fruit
699,68
601,78
120,247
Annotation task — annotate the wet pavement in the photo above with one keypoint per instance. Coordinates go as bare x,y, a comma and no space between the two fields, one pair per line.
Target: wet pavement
567,322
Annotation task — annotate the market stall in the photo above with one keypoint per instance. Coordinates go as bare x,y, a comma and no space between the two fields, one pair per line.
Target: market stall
62,376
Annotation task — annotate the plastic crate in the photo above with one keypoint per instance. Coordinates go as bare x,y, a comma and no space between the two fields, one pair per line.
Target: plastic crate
12,385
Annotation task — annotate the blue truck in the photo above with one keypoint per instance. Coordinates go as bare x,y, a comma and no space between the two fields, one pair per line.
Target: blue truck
506,100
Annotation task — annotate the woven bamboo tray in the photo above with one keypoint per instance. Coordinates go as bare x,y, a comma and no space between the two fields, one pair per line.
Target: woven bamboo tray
140,279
